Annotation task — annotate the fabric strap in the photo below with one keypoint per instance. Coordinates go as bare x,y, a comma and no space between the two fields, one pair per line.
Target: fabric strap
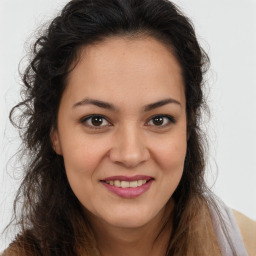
231,228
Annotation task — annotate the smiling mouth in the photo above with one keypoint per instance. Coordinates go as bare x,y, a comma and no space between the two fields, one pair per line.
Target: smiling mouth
128,187
126,184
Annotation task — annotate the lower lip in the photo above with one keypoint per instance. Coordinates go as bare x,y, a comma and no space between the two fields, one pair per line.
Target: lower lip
128,192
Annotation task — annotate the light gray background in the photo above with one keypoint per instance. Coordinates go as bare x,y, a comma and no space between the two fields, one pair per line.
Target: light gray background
226,29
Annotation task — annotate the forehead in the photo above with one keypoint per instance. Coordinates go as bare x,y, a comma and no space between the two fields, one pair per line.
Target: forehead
122,68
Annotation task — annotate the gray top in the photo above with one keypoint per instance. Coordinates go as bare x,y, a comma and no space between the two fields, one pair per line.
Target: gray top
231,228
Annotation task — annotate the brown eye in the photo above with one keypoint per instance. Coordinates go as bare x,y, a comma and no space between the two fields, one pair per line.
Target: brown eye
95,122
161,121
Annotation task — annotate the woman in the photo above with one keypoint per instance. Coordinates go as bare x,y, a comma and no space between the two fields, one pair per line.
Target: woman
112,106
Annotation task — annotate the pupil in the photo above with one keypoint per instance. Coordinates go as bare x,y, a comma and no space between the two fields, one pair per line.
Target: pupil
97,120
158,120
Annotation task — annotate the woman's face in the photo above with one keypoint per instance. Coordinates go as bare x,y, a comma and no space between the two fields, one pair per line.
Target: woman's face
122,130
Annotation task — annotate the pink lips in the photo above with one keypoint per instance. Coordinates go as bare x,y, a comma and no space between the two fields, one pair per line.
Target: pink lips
128,192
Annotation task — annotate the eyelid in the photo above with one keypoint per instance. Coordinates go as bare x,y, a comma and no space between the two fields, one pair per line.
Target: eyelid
83,120
171,119
86,118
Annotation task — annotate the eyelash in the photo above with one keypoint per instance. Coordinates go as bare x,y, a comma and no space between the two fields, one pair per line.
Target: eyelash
85,119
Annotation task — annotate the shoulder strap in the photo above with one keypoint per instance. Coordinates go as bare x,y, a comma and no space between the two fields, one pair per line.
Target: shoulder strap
229,227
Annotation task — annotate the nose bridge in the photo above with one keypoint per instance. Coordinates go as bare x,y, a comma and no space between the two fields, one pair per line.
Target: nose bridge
129,148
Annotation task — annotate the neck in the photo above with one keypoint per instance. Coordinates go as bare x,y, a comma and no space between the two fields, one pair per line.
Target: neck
147,240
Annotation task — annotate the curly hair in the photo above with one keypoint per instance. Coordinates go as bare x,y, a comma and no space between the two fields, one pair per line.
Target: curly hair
51,217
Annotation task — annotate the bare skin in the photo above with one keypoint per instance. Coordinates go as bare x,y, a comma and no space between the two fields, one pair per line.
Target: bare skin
136,242
131,75
248,231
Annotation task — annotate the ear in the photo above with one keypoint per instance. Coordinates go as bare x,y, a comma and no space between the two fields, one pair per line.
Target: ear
54,135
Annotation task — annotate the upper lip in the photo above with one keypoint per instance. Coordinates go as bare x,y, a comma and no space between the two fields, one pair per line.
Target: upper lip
126,178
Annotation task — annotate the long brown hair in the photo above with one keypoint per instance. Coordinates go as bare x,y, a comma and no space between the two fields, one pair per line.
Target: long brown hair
51,218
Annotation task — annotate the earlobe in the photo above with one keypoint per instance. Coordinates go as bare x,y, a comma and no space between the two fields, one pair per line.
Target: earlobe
56,141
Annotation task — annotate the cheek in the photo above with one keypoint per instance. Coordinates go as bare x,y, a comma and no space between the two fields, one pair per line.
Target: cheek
82,159
171,154
83,155
171,157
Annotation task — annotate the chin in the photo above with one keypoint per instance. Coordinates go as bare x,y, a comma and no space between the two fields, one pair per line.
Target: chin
130,219
130,222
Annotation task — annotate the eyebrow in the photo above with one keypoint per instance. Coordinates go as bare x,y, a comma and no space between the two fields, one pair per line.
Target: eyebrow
109,106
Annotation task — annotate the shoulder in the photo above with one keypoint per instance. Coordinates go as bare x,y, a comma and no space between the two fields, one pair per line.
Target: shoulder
247,228
22,245
11,251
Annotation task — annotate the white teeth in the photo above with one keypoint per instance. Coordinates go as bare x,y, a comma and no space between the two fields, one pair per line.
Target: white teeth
117,183
133,184
126,184
139,182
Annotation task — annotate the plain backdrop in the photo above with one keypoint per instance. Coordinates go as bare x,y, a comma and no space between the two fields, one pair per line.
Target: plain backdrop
227,31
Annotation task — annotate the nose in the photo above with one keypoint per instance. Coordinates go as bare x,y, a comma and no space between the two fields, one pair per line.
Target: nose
129,148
